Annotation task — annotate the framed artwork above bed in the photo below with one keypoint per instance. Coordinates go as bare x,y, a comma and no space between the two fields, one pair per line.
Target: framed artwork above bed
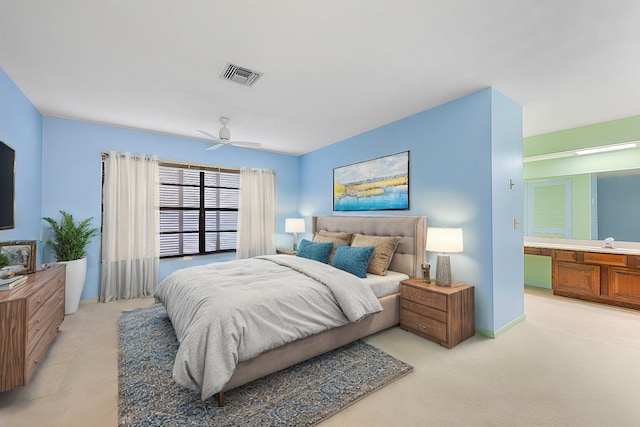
372,185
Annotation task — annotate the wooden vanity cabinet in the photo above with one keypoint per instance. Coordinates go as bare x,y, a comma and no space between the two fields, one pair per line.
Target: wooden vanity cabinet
608,278
579,279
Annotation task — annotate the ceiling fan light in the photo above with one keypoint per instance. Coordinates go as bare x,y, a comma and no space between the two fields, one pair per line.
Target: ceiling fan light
224,133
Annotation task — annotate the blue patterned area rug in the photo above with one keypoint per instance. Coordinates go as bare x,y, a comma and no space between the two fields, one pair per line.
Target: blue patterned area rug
302,395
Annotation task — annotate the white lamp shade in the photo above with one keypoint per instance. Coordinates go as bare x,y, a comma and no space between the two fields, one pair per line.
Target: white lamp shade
440,239
294,225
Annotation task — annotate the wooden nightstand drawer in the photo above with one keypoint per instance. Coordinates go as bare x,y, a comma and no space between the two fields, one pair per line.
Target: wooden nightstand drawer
425,297
424,310
424,325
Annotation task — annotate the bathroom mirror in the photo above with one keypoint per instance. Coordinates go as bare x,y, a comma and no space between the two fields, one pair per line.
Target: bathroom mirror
590,206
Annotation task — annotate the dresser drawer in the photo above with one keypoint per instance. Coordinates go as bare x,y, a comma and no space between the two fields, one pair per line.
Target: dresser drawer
40,297
423,296
50,314
39,347
424,310
424,325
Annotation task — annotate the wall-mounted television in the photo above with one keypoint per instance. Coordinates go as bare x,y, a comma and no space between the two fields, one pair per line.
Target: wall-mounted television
7,186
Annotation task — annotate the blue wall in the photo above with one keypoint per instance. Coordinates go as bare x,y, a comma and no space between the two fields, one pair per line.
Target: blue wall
72,176
462,155
507,205
21,129
451,158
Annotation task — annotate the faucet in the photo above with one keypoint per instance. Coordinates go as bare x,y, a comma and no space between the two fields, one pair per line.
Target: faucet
608,243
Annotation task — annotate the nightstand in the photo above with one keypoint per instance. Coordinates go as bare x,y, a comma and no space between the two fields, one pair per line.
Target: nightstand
445,315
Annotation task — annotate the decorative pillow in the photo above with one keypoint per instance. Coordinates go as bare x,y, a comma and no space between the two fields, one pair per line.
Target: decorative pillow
384,250
317,251
338,238
353,260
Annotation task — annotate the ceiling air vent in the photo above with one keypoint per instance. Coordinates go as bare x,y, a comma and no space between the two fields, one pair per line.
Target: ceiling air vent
241,75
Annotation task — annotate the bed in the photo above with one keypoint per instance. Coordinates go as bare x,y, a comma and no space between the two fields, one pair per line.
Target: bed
356,315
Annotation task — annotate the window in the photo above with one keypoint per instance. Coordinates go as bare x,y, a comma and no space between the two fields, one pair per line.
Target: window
548,211
198,209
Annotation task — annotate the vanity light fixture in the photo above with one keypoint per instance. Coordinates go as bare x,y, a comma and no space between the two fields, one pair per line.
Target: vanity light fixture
444,240
614,147
581,152
295,226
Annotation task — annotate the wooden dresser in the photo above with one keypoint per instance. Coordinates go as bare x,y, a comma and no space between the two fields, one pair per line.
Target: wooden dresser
445,315
30,316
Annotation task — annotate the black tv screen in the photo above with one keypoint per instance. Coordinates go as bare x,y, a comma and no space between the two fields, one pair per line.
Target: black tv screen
7,186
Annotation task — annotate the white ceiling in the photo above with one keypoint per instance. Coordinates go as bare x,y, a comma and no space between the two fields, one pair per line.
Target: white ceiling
332,68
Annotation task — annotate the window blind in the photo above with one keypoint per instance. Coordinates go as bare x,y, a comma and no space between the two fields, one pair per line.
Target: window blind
198,209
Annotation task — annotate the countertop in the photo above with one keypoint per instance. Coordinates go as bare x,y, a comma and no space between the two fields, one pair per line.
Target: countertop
628,248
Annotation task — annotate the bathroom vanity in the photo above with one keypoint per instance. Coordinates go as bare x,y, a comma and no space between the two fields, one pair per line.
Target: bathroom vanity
588,271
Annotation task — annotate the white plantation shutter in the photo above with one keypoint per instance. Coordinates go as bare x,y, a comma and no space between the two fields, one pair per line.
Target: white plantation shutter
549,209
198,210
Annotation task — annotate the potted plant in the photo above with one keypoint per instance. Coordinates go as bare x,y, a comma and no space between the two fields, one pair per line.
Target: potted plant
69,243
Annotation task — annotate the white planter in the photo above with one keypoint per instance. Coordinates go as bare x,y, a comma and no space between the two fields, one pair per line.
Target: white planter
76,275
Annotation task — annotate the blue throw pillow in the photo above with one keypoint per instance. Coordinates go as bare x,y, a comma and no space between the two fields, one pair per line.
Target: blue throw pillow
353,259
318,251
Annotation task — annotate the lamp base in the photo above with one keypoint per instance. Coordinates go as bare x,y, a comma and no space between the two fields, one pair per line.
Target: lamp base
443,271
295,242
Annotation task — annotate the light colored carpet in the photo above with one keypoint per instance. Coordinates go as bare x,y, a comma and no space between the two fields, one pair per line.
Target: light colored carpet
571,363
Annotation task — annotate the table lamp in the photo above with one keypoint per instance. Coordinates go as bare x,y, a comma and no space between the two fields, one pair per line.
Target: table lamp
295,226
444,240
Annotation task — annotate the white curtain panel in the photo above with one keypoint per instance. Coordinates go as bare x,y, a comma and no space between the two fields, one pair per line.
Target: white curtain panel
130,227
257,213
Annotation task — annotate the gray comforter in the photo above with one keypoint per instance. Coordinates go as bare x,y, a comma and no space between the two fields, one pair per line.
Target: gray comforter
228,312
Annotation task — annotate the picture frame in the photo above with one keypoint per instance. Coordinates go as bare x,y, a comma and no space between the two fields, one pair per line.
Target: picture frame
377,184
21,256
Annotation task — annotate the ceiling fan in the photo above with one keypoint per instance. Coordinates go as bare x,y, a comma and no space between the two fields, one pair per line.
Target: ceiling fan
224,137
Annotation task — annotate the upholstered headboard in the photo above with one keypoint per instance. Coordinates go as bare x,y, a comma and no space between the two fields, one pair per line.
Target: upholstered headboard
412,230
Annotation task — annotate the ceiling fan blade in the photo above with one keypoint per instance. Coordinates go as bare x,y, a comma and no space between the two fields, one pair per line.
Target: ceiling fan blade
215,147
204,132
245,144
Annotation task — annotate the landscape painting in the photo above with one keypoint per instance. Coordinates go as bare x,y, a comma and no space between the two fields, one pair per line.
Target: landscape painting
377,184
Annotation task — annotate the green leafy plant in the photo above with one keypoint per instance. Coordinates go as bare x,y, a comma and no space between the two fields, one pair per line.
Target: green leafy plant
4,260
70,240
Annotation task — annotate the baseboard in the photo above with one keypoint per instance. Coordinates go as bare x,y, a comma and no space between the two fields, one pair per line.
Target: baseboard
505,328
89,301
538,285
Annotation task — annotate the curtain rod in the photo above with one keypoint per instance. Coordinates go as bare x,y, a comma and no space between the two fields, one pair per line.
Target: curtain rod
187,165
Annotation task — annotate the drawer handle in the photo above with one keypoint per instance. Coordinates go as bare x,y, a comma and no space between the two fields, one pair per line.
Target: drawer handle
423,327
39,301
35,362
38,328
38,321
